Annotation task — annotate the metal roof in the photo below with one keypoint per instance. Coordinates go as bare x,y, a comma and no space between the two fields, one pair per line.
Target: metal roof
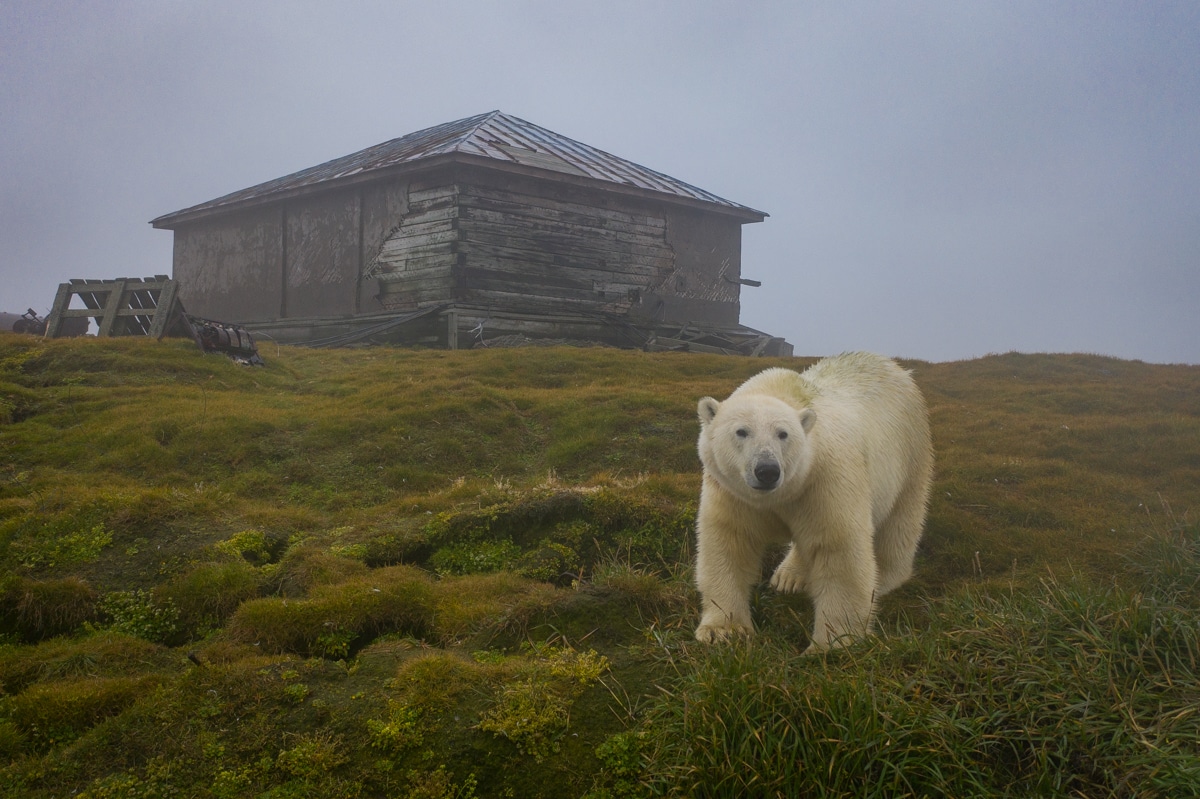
494,135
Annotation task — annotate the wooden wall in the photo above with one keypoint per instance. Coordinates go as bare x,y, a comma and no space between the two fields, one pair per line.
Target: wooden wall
229,268
475,237
414,265
518,244
554,253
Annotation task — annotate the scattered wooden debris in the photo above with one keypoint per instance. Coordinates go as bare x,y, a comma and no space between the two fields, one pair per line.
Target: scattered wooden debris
718,341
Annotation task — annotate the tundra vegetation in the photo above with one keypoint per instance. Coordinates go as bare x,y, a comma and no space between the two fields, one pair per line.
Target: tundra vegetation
382,572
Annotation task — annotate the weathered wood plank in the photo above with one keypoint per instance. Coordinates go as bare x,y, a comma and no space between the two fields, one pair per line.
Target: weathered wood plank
420,215
566,244
511,300
416,263
532,215
111,305
475,276
423,281
447,248
417,291
483,209
630,265
513,294
665,344
58,311
398,246
515,225
594,277
432,194
395,259
488,198
423,239
166,308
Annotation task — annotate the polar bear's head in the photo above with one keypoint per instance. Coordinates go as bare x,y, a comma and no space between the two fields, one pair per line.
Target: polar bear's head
755,445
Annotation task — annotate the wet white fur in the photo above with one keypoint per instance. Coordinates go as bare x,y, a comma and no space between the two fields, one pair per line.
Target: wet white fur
855,466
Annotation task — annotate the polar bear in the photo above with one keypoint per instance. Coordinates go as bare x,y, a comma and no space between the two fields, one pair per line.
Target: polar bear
835,461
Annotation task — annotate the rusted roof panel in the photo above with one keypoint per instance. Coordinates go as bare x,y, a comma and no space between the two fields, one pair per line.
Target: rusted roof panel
494,135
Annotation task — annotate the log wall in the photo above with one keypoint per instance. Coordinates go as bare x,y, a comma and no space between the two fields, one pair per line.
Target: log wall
536,247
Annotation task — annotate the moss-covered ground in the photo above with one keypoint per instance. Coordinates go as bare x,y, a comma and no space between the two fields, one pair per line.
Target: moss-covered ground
381,572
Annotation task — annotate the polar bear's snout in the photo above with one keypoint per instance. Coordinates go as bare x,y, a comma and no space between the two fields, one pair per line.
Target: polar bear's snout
764,475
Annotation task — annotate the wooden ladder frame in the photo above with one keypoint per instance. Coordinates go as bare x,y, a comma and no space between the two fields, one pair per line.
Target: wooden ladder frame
121,307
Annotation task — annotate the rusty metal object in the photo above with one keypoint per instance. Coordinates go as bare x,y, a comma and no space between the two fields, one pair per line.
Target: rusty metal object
232,341
30,322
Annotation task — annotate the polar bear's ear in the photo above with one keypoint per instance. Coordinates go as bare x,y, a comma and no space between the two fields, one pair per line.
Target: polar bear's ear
707,410
808,417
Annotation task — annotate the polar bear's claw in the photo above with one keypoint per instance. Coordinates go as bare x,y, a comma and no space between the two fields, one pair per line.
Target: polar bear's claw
786,580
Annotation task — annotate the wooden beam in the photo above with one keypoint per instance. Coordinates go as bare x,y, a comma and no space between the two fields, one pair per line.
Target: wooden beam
452,329
111,308
165,310
57,311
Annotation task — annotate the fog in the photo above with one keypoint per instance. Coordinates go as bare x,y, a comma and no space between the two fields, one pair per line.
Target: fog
944,180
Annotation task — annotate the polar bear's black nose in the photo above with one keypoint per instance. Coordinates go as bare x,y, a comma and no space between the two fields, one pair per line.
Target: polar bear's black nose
767,474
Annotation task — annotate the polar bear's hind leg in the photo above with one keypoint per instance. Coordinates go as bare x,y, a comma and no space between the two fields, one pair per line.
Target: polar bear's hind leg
897,538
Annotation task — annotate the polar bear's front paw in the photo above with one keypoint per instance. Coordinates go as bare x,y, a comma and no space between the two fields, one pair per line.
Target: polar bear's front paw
787,580
715,633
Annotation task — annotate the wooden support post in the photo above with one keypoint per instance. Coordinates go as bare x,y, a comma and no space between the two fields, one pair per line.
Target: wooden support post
165,310
112,308
452,329
58,311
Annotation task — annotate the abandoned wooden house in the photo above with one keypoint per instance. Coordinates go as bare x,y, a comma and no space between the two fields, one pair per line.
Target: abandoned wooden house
467,233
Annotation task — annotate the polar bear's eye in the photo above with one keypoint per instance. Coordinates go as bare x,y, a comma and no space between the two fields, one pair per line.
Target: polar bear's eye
742,432
782,435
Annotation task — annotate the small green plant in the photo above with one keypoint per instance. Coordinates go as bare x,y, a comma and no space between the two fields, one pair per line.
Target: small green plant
534,712
475,557
582,668
296,692
137,613
251,545
621,758
59,544
530,715
158,779
334,643
116,786
231,783
439,784
400,730
314,756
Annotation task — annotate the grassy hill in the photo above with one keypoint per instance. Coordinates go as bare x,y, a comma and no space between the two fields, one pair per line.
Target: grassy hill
379,572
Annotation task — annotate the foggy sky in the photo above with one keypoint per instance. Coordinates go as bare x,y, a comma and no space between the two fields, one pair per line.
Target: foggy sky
944,180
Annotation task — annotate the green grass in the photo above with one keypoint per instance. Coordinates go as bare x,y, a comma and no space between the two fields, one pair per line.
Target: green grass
1067,689
380,572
